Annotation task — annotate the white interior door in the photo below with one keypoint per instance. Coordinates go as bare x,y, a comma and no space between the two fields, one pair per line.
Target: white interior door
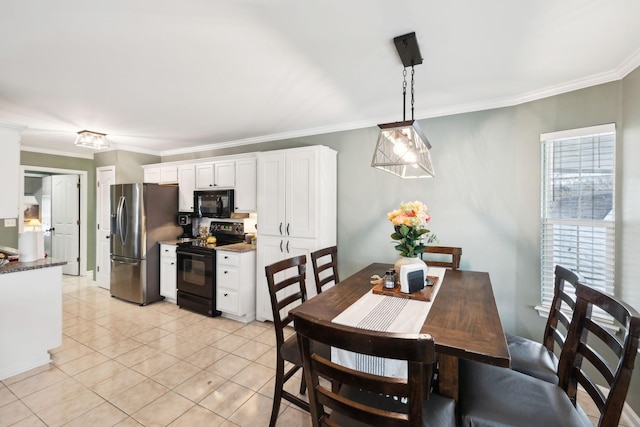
105,177
45,212
65,217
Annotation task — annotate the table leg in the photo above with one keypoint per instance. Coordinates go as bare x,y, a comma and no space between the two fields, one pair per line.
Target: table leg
448,376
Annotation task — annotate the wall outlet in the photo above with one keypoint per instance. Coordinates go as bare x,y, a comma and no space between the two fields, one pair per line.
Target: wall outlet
9,222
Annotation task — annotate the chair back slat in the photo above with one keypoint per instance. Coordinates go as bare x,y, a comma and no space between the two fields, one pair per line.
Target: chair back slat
417,349
455,252
564,286
321,272
582,354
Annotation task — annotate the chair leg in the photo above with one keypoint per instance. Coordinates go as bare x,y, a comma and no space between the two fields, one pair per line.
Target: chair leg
277,393
303,384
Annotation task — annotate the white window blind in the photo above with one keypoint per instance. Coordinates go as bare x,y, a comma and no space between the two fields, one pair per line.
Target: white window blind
578,218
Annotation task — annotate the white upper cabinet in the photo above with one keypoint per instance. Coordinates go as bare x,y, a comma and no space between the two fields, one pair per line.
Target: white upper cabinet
151,174
169,175
157,174
271,199
210,176
246,185
293,186
186,184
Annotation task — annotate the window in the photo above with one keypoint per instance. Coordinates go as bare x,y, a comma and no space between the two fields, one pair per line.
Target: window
578,219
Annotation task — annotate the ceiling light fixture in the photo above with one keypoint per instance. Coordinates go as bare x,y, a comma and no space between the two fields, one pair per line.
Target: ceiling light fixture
402,148
94,140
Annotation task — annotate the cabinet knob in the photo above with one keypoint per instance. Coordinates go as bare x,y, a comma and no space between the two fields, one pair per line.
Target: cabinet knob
173,263
226,295
226,257
225,272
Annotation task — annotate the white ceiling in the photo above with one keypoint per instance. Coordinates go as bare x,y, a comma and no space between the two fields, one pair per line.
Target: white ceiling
166,76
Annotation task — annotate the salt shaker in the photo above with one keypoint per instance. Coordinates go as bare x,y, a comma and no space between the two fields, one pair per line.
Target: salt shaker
389,281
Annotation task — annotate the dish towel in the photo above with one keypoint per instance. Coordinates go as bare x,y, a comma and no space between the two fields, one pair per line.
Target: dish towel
384,313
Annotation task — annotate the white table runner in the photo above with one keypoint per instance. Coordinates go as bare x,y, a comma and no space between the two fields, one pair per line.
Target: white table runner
384,313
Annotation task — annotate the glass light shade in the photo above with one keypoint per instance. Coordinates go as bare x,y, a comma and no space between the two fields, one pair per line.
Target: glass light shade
403,150
92,140
30,200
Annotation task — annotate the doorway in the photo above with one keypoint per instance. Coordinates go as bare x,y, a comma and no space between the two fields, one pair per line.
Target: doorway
105,177
62,198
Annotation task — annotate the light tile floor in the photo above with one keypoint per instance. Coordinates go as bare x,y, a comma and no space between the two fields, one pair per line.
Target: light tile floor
125,365
158,365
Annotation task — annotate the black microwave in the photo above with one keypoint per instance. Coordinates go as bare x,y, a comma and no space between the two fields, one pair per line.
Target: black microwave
213,204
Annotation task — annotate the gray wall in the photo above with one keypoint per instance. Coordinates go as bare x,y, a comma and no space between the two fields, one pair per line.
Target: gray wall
127,163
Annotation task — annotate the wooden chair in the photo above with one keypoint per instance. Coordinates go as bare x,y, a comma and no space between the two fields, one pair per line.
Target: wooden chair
539,360
368,399
456,254
492,396
330,263
291,289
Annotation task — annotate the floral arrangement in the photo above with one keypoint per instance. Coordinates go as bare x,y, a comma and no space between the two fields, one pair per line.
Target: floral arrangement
409,223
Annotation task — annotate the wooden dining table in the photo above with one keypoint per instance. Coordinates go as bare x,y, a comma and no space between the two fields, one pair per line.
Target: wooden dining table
463,320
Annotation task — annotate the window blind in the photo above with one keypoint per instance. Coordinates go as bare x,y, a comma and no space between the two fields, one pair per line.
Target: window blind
578,217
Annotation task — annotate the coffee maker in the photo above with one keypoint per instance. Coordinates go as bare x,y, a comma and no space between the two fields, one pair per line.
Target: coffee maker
184,220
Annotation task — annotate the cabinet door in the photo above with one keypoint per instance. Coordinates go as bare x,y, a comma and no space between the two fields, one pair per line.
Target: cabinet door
271,194
186,185
204,176
273,249
300,193
169,175
270,249
246,185
168,272
152,175
224,174
295,247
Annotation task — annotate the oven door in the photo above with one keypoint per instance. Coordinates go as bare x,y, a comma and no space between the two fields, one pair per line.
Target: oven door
196,272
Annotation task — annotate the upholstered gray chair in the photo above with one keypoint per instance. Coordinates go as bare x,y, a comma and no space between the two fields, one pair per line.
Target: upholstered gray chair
538,359
491,396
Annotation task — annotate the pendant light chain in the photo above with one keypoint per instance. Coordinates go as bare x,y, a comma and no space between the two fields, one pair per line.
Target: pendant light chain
404,94
412,74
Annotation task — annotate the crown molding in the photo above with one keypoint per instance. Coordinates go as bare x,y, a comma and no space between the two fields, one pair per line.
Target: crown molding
56,152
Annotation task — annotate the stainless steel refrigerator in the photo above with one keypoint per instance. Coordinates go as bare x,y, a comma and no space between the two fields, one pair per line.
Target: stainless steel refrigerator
141,216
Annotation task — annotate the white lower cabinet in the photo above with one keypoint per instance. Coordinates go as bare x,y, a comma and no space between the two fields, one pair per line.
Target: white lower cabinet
235,285
272,249
168,272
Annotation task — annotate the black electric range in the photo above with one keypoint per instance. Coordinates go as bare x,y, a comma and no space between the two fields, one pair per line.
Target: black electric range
196,277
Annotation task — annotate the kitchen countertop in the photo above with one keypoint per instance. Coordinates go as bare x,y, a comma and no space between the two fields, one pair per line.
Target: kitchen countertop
237,247
16,266
174,241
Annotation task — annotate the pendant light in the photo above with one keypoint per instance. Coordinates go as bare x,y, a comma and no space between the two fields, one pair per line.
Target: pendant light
402,148
93,140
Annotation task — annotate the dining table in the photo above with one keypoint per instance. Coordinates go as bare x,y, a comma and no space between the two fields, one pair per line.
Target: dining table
462,318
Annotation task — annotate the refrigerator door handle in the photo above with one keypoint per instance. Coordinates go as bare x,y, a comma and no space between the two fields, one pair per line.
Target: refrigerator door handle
119,261
121,223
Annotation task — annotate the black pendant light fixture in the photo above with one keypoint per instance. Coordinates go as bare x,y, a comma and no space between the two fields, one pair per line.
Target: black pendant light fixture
402,148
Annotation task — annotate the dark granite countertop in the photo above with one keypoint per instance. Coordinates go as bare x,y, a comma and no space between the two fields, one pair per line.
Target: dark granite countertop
16,266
